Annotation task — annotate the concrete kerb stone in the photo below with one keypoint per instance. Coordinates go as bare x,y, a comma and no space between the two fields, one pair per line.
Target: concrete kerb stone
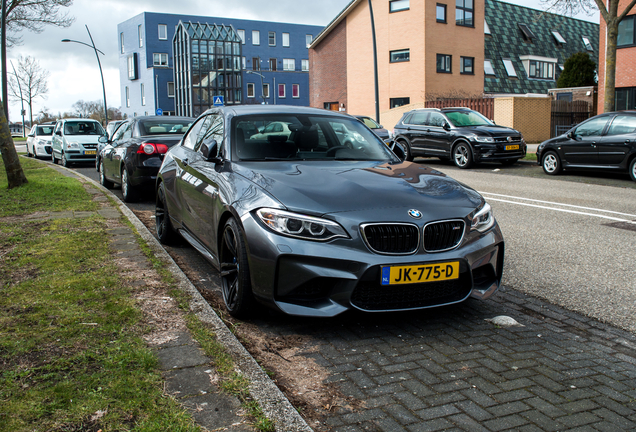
274,403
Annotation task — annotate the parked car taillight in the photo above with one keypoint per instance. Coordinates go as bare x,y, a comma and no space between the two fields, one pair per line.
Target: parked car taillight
152,148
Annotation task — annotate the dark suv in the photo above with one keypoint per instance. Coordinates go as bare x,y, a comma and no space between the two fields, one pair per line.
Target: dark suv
460,134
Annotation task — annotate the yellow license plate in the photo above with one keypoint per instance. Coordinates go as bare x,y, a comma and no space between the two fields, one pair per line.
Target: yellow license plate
396,275
512,147
90,152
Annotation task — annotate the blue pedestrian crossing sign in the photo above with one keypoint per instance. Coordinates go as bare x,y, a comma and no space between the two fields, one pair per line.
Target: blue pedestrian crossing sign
159,111
218,101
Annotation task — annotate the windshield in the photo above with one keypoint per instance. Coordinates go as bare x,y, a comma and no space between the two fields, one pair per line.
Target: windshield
467,118
303,137
45,130
83,128
164,127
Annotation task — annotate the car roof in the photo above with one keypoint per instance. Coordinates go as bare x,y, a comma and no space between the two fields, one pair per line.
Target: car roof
178,118
241,110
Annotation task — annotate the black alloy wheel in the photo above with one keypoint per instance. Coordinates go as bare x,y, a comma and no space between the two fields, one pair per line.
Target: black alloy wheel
102,177
235,273
128,191
29,154
165,232
463,155
551,163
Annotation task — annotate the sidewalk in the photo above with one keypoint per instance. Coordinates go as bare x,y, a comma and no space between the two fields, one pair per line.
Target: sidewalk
189,373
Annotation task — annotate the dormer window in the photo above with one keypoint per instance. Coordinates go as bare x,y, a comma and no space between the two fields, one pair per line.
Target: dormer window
539,67
588,45
510,68
486,28
558,37
527,33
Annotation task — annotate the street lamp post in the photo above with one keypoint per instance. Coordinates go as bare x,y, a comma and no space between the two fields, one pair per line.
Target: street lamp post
261,75
99,63
17,79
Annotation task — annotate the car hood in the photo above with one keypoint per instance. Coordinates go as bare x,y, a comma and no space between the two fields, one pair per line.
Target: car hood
327,188
493,130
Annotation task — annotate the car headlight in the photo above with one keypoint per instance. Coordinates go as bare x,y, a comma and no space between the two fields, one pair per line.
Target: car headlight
484,139
483,220
300,226
73,145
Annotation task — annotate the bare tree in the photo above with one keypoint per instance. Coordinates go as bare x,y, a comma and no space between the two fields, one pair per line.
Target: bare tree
29,83
612,19
34,15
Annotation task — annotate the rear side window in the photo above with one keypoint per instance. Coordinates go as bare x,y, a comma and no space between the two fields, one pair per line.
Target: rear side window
622,125
418,118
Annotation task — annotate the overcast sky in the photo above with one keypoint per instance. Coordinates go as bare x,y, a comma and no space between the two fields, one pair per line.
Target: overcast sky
74,74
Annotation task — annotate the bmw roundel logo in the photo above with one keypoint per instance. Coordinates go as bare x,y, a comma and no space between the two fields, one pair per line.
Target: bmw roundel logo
415,214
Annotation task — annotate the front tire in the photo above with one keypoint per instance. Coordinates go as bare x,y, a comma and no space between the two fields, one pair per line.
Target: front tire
53,158
463,155
128,191
632,169
165,232
551,163
407,150
235,272
65,162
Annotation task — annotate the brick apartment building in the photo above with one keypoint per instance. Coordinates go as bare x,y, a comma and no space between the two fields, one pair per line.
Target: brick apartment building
625,62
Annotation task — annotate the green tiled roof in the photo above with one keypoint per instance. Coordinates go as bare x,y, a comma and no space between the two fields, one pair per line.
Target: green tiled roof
507,41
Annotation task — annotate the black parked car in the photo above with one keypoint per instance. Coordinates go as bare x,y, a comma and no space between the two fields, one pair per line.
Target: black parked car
460,134
134,154
310,226
378,129
606,142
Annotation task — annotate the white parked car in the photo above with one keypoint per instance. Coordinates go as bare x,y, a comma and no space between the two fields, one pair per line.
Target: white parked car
39,140
76,140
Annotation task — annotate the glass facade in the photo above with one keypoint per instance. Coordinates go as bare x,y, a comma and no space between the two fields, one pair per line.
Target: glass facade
207,63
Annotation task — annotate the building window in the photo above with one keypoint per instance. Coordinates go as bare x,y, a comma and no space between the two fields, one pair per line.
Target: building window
440,13
256,63
464,13
399,56
398,102
127,97
281,90
241,34
289,64
286,39
272,64
626,32
243,63
398,5
132,66
140,32
308,40
540,70
510,68
558,37
486,28
250,90
588,45
143,94
467,65
444,62
256,37
159,59
266,91
305,65
121,42
163,31
526,32
272,38
295,90
171,89
488,69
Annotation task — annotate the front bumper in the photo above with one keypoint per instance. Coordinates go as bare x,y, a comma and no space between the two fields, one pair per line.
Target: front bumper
497,152
308,278
42,150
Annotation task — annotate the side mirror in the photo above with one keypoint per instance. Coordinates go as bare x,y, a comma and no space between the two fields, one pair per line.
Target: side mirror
570,134
103,139
446,127
398,150
58,133
209,150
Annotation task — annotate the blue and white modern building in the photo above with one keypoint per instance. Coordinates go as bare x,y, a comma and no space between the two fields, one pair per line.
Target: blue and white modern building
274,62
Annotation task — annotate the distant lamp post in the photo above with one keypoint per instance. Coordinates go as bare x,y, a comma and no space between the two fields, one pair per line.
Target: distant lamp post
21,101
99,63
261,75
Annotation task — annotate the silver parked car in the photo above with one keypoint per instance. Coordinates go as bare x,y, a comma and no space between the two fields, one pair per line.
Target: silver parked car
39,140
75,140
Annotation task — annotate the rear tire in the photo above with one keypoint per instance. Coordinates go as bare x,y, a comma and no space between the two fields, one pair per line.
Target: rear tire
551,163
235,273
128,191
163,227
102,177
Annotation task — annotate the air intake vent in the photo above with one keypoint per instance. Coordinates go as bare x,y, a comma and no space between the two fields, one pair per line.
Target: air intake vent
395,239
443,236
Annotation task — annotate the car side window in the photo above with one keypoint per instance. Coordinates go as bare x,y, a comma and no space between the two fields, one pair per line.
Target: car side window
58,127
212,128
121,132
435,119
419,118
622,124
190,139
594,127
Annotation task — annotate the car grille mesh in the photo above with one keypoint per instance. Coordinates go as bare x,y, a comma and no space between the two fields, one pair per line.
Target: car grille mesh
441,236
504,140
392,238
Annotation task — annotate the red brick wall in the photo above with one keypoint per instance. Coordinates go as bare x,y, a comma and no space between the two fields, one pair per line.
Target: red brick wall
328,69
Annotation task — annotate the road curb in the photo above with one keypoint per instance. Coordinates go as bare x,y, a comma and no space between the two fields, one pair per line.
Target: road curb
274,403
